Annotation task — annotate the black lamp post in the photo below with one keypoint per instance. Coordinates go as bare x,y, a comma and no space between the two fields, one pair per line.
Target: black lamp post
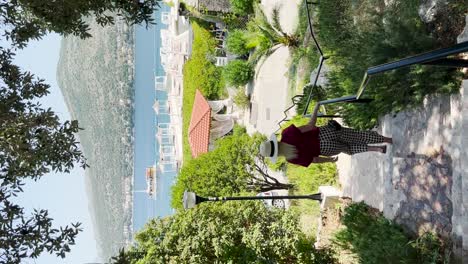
191,199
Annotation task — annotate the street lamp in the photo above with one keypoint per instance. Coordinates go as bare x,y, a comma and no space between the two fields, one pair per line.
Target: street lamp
191,199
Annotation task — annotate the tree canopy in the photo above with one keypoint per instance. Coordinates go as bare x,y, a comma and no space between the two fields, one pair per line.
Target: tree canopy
230,232
33,142
232,167
25,20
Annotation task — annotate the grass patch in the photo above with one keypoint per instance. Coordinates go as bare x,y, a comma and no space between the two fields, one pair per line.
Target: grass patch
199,73
360,34
307,180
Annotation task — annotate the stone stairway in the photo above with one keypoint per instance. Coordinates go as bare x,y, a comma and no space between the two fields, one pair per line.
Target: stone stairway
460,216
422,182
460,183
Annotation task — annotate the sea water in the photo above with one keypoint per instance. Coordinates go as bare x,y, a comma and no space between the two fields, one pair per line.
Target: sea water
146,149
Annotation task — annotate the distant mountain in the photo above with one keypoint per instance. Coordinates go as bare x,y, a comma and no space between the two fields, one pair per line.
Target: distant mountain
96,78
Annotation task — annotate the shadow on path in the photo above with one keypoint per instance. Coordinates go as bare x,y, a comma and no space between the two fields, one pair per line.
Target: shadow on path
426,181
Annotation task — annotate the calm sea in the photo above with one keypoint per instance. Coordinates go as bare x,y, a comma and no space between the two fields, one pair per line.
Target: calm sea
147,65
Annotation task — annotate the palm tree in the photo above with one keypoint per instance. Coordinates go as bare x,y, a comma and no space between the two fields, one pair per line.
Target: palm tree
273,31
268,36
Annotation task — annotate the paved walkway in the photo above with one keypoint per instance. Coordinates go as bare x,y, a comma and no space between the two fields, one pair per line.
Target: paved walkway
269,93
422,182
269,96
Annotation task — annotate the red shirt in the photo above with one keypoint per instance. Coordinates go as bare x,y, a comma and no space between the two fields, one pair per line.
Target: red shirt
307,144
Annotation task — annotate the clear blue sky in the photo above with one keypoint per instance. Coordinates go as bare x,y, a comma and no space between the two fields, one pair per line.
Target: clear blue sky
62,194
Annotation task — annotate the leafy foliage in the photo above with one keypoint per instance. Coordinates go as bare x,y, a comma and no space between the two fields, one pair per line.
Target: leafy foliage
317,94
200,72
242,7
430,249
26,20
230,168
241,99
238,72
236,43
33,142
28,236
266,36
235,232
372,33
303,61
375,239
273,30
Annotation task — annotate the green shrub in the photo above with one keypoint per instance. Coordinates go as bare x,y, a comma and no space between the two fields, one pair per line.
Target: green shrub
370,34
200,72
323,255
241,99
375,239
303,22
239,130
242,7
245,232
238,72
236,43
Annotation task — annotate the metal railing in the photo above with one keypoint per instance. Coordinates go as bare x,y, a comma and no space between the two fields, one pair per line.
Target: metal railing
435,57
296,99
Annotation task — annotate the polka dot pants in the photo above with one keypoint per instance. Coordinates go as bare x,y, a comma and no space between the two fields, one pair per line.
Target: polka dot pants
346,140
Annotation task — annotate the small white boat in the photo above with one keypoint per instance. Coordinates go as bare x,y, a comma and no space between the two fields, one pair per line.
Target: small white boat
151,181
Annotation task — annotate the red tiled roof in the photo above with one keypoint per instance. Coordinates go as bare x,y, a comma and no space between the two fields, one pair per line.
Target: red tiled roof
199,128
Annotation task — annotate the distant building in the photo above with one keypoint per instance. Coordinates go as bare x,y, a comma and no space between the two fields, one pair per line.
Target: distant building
223,6
207,125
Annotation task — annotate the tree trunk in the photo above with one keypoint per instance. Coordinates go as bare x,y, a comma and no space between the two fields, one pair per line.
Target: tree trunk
207,18
264,187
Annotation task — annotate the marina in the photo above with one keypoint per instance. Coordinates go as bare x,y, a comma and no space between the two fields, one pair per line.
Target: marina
158,119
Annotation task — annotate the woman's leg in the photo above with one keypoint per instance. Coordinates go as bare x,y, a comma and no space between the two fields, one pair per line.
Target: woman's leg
332,148
381,149
359,148
328,133
352,136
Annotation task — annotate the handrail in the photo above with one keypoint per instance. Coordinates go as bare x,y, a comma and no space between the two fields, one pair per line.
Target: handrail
435,57
322,59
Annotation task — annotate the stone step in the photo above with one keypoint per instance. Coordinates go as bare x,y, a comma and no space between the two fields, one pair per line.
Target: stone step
460,175
462,178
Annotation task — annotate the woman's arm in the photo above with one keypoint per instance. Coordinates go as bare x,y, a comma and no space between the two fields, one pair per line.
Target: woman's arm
324,159
313,118
312,121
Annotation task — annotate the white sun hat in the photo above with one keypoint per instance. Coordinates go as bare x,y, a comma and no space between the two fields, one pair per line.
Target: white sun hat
269,148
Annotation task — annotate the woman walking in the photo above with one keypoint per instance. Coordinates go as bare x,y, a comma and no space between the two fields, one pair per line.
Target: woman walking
305,144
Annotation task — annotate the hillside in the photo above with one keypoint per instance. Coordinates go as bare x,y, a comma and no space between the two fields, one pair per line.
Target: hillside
96,77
